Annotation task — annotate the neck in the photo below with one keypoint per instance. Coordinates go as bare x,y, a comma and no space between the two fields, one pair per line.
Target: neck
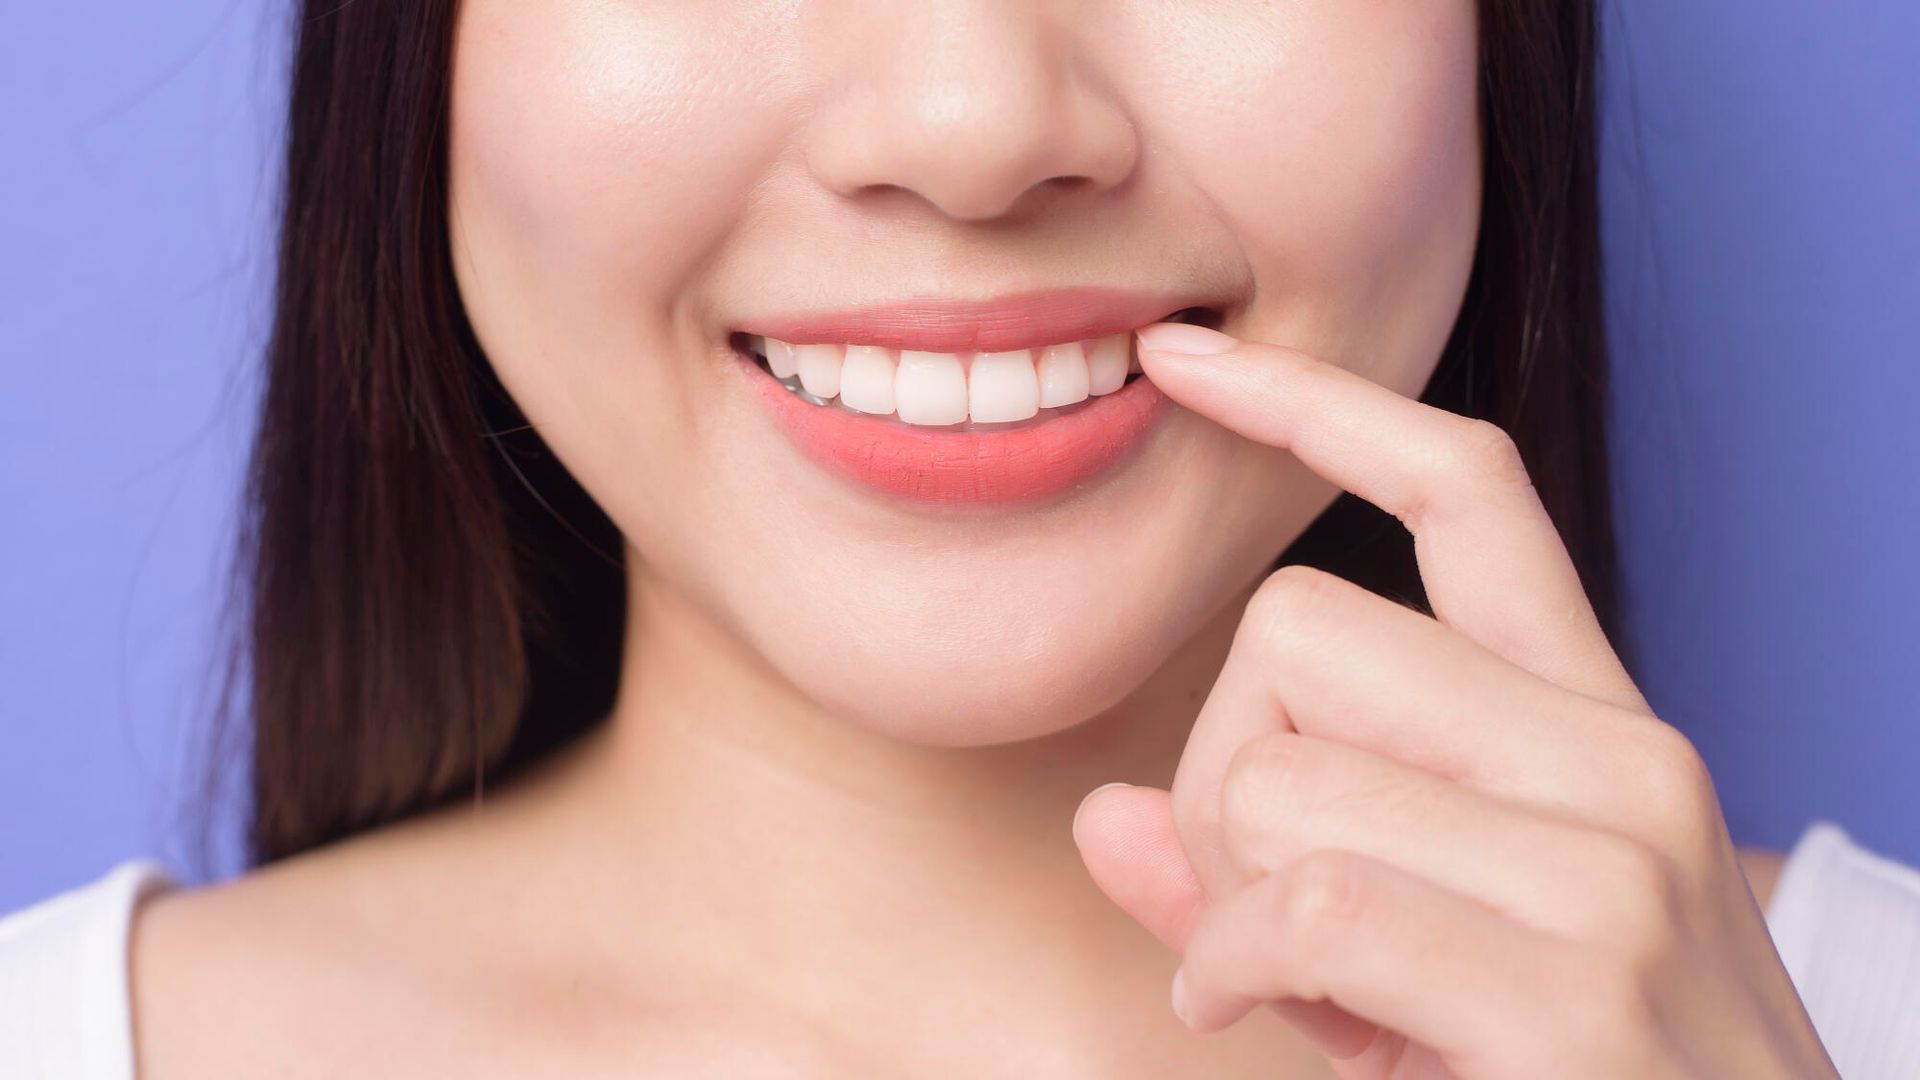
791,848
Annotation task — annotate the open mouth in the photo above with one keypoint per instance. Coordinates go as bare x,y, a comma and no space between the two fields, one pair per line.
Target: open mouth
966,391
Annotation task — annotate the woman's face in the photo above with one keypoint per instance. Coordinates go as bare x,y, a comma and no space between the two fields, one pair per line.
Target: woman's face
637,185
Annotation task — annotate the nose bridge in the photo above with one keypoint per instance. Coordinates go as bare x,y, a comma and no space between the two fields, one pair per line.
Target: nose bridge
969,104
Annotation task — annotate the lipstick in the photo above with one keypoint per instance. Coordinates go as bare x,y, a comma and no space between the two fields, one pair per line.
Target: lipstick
1052,453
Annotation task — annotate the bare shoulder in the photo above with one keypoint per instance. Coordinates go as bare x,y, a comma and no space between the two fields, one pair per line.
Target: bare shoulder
1762,867
263,973
388,955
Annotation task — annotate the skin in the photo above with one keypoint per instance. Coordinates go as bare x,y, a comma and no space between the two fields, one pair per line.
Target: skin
826,829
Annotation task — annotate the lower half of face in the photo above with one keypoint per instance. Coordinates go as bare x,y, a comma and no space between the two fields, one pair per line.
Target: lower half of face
953,545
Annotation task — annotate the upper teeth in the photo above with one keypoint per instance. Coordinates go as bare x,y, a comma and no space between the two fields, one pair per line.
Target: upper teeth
937,389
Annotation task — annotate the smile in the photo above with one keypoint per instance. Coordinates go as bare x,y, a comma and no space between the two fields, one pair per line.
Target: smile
891,398
963,391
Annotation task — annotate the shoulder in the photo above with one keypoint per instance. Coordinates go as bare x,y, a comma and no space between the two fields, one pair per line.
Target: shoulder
285,968
398,948
344,964
63,978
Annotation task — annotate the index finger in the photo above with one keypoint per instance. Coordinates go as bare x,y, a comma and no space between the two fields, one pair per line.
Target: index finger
1494,565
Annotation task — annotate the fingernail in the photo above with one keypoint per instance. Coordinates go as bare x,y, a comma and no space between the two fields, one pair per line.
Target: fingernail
1180,996
1184,338
1088,797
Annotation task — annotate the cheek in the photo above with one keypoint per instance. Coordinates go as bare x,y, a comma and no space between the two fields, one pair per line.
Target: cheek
594,159
1345,149
594,138
599,155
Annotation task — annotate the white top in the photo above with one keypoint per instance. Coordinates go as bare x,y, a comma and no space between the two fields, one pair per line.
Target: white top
1845,920
64,1008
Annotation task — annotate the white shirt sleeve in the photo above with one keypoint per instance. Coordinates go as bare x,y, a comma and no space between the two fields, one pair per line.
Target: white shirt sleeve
64,1006
1847,924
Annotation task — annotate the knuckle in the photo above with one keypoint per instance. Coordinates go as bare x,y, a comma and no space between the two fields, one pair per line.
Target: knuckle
1675,788
1637,906
1262,769
1290,596
1258,786
1488,450
1322,895
1471,457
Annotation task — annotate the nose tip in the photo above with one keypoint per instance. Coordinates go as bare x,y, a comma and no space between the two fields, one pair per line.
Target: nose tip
981,117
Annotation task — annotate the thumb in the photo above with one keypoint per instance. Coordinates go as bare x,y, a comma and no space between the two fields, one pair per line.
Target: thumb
1127,839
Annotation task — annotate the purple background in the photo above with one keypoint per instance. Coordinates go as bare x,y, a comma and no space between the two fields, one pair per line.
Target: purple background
1762,185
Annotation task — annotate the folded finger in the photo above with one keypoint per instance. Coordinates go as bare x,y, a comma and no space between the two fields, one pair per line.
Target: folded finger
1287,795
1320,655
1382,944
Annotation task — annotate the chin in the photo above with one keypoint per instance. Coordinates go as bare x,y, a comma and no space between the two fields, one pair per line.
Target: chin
963,644
1036,677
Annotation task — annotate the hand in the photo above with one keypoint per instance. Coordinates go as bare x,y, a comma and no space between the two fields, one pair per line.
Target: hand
1459,845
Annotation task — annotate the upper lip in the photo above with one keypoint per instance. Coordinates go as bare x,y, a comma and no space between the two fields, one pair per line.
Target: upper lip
1021,321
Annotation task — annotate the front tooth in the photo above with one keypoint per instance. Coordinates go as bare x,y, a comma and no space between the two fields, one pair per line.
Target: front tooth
1002,387
1107,362
866,379
1062,375
780,359
819,367
930,388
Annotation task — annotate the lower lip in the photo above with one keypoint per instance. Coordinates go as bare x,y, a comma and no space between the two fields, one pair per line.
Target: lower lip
930,465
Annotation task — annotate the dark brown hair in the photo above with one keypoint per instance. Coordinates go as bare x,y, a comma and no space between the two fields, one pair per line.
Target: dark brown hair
430,601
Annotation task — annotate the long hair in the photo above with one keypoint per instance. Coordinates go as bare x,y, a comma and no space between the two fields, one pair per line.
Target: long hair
430,601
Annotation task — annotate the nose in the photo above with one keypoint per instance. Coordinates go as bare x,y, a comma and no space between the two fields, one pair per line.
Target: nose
983,110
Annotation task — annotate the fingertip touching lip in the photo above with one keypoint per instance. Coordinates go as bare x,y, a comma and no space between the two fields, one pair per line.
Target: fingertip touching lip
1023,321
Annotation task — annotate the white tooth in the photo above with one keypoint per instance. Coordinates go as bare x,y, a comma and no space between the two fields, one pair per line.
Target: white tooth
1002,387
1062,372
930,388
819,367
866,380
780,359
1107,362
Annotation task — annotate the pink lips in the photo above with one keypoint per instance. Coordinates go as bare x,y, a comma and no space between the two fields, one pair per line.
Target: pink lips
1027,321
1056,452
